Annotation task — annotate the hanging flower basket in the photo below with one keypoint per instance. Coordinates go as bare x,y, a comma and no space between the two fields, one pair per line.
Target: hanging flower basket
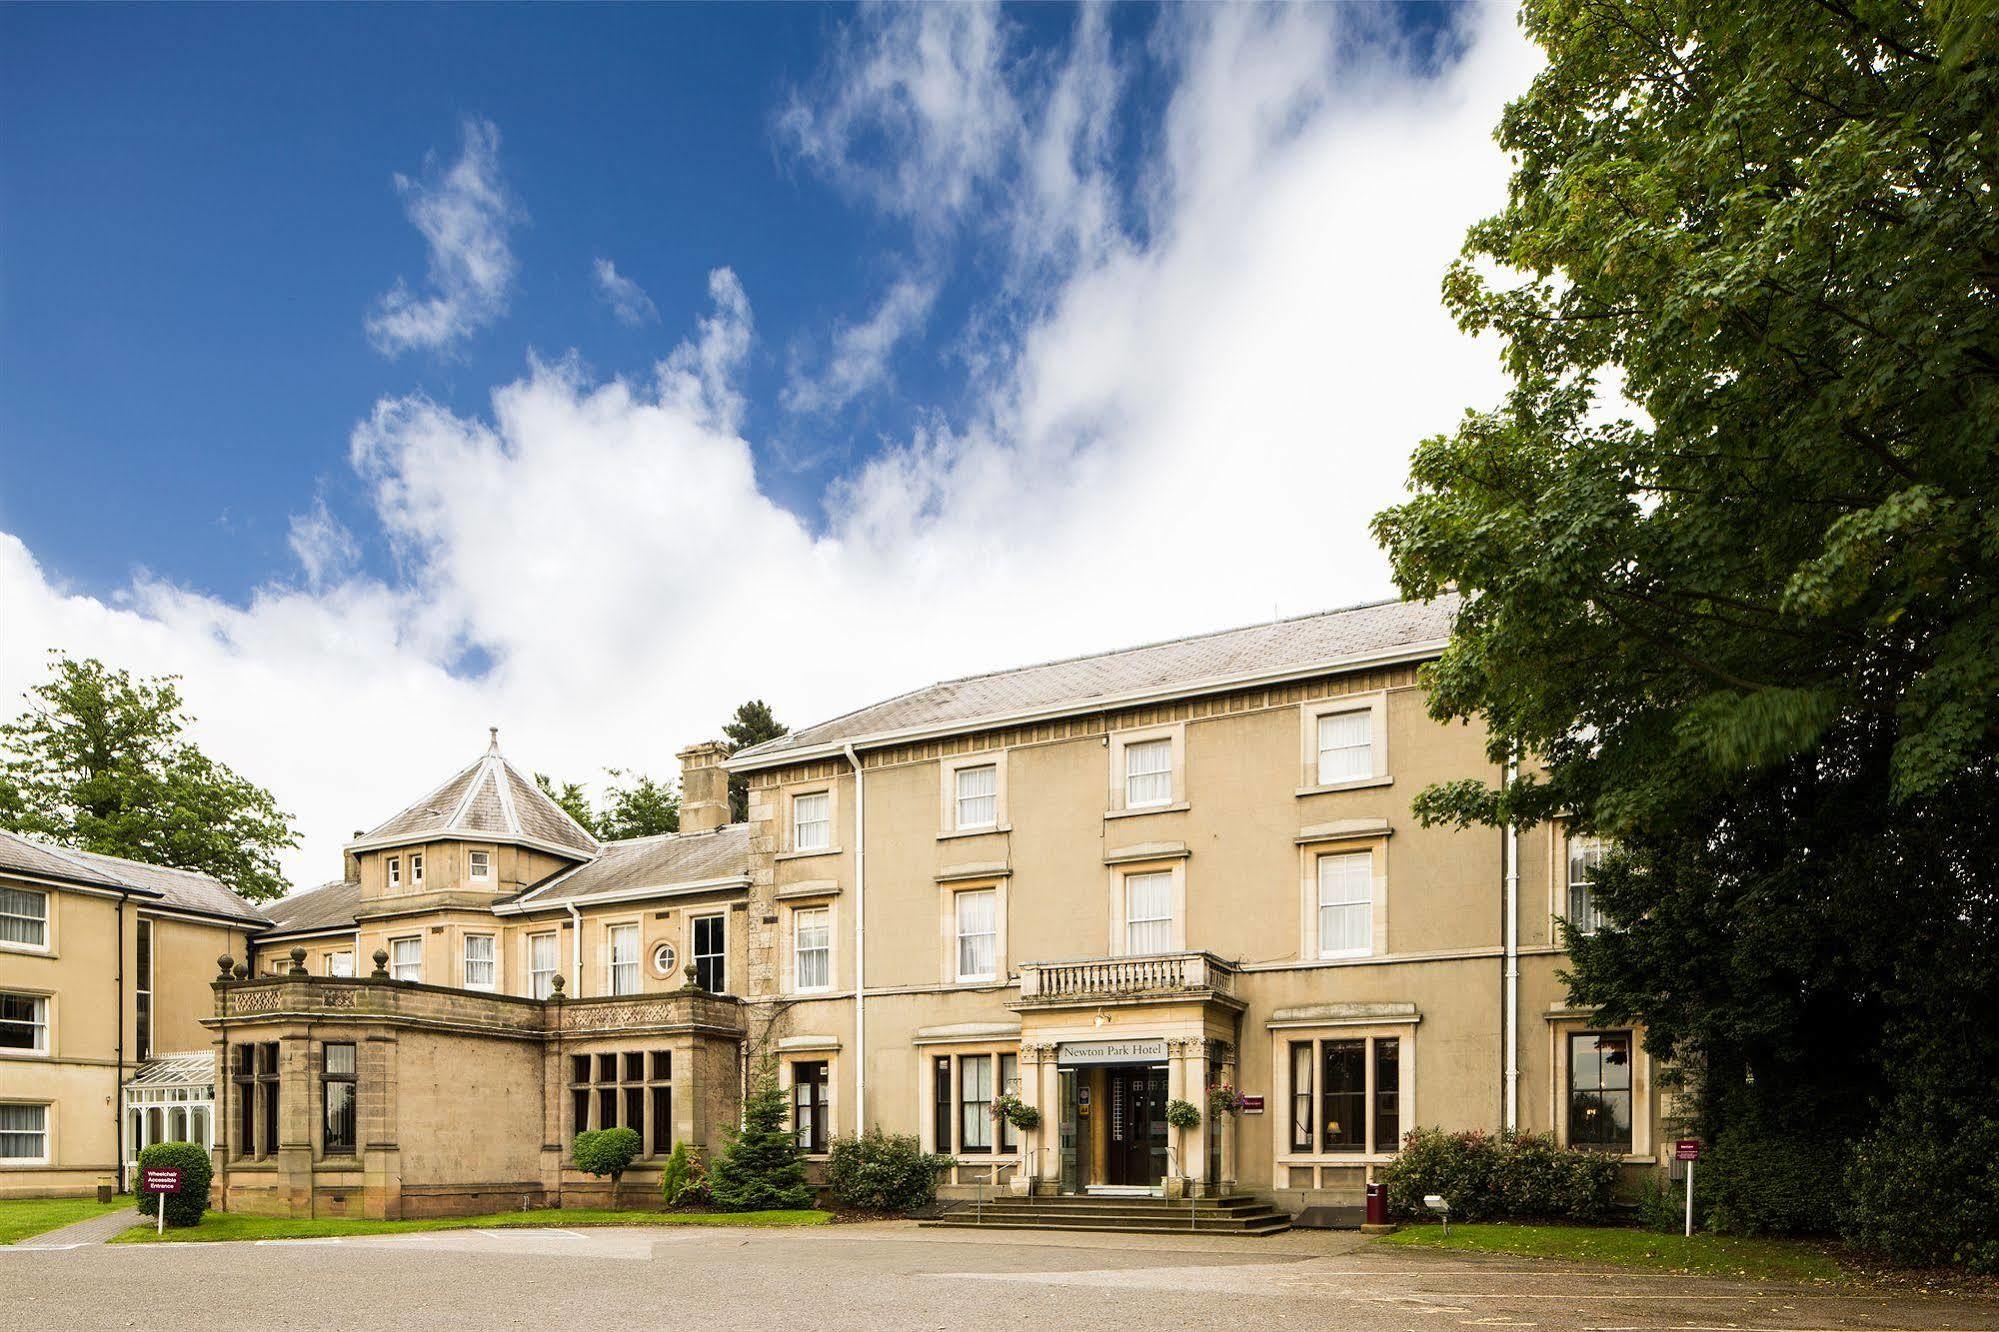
1014,1111
1223,1100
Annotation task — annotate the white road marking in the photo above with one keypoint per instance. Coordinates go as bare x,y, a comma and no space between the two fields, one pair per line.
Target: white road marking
279,1243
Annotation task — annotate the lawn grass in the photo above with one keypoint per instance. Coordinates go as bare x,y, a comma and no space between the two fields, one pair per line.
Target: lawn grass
23,1217
1705,1255
219,1226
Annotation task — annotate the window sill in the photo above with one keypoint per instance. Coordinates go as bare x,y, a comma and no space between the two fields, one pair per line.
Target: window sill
807,855
1344,955
986,831
1327,1159
1177,807
1356,784
30,950
25,1054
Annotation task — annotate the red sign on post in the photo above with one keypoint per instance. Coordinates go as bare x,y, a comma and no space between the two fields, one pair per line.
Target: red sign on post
158,1180
1687,1149
1252,1105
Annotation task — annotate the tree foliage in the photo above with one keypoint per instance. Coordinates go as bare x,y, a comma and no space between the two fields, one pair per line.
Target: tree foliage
608,1151
101,761
752,725
634,805
1746,627
763,1168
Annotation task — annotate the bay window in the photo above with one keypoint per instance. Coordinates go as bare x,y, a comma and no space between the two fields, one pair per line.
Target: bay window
337,1081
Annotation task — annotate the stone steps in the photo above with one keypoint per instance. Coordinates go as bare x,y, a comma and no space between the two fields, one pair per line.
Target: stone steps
1238,1214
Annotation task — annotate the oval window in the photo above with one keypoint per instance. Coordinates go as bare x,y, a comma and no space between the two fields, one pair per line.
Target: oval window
663,958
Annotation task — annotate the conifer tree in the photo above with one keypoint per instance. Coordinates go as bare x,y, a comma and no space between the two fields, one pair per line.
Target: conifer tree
763,1168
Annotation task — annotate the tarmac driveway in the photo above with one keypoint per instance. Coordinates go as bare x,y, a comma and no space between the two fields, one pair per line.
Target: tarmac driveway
899,1276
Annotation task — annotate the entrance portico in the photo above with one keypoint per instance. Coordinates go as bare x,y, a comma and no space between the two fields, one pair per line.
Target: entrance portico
1105,1046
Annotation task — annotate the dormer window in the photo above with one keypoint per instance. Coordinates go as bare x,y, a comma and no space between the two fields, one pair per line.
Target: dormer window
395,871
416,871
479,865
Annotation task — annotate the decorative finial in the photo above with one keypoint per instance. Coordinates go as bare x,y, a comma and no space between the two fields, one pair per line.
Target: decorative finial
555,984
223,964
493,740
382,963
298,961
242,971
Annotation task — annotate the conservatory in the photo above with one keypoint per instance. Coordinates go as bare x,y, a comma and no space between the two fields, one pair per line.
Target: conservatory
170,1099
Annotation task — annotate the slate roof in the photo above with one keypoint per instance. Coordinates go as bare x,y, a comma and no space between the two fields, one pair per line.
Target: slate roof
662,862
1281,647
174,887
488,800
331,906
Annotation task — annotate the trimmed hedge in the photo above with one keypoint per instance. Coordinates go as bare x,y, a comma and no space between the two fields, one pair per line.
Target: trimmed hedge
186,1207
1522,1177
608,1151
884,1172
1770,1183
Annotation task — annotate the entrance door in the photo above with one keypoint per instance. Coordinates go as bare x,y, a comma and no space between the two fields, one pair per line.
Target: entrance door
1137,1129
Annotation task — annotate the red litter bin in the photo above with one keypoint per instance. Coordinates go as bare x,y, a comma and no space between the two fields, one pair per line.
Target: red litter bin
1377,1204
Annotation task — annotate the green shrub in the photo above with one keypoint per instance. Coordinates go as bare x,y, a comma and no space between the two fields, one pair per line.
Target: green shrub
1774,1182
1183,1114
684,1181
608,1151
1523,1177
763,1168
186,1207
884,1172
1923,1188
1662,1204
1010,1109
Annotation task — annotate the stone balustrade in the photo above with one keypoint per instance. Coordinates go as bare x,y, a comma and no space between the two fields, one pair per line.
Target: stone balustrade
1158,975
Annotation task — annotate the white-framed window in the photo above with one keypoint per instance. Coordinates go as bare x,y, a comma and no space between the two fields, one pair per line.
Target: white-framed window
542,964
1148,773
395,872
1346,746
24,918
1585,854
812,821
24,1133
481,965
978,796
406,959
24,1023
479,866
1148,913
416,870
624,959
812,948
977,912
341,963
1346,904
975,1103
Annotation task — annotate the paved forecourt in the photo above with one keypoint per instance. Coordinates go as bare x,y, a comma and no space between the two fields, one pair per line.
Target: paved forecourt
896,1276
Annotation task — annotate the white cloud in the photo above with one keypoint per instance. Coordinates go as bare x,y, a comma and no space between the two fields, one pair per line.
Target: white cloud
326,550
463,212
627,299
861,352
1193,431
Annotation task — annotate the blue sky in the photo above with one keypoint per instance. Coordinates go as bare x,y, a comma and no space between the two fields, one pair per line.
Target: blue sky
922,321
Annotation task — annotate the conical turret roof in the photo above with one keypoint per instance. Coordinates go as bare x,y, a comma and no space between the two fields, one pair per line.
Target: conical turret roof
490,802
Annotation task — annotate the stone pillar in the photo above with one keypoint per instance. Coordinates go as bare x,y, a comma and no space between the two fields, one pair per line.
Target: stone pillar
1231,1130
298,1109
1048,1177
704,787
381,1153
1184,1142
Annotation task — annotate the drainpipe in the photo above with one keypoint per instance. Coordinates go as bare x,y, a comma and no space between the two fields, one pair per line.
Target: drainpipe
1512,1015
118,1073
860,942
575,949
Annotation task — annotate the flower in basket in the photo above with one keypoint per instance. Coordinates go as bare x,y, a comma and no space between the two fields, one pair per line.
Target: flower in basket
1010,1108
1224,1100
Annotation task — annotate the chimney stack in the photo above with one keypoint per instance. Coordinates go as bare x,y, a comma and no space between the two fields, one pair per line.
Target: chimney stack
350,864
704,787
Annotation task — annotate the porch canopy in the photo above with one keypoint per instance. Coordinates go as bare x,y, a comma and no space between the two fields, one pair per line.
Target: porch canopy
170,1099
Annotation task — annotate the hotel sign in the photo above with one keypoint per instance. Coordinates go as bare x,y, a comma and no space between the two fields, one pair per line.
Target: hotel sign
1111,1052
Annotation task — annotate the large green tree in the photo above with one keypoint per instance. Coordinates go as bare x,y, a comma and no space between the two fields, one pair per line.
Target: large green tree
634,805
752,725
1744,618
102,762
